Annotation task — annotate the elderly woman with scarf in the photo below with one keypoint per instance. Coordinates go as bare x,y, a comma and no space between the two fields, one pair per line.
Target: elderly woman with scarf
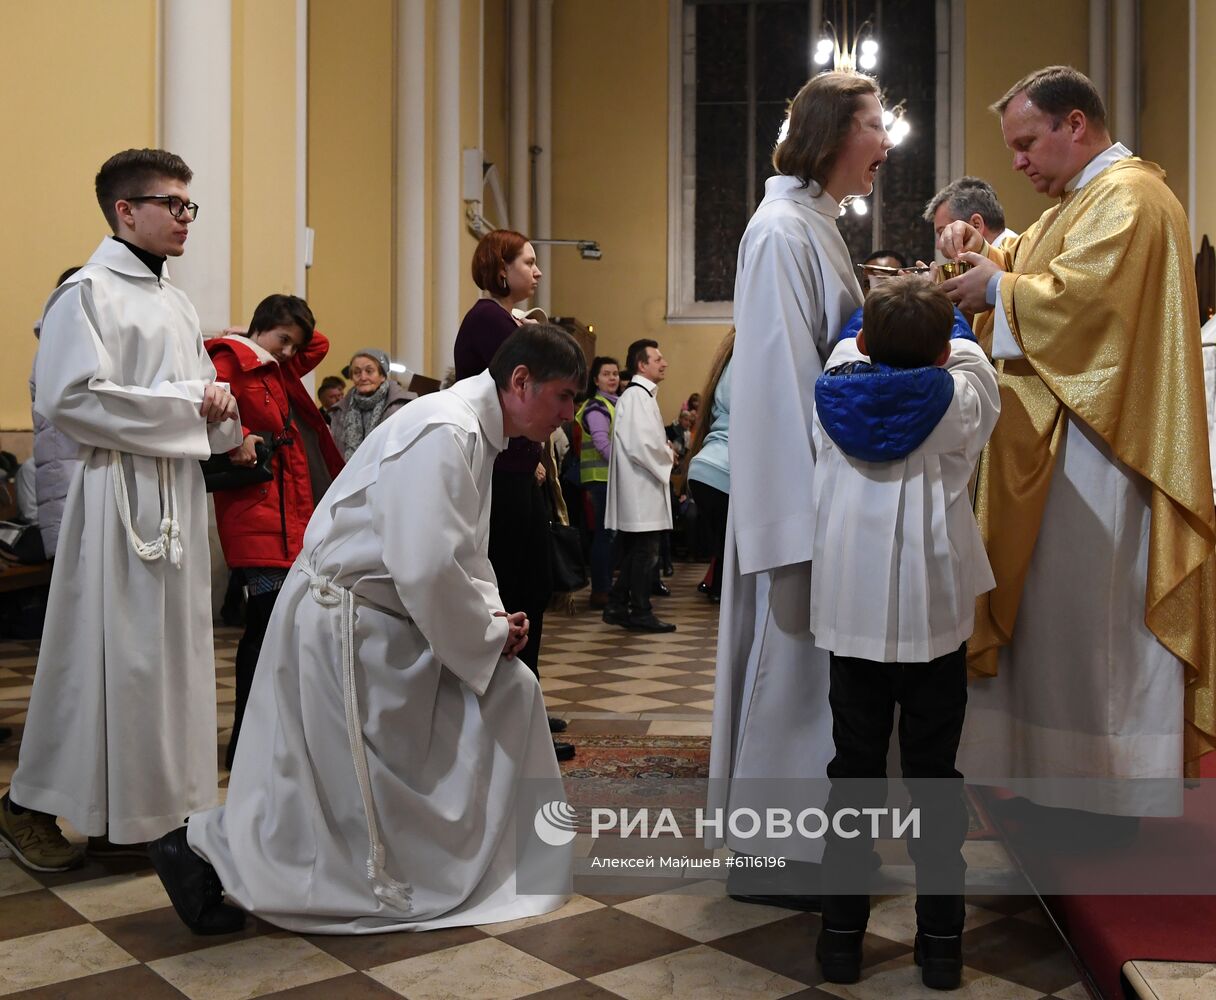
372,399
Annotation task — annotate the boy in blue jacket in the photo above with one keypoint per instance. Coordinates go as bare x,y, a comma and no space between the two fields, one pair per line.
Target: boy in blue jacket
902,413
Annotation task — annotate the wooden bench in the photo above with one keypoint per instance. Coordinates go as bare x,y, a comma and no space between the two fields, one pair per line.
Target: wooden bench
14,576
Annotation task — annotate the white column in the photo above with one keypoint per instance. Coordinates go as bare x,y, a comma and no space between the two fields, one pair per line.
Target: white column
544,139
1125,126
519,175
301,147
409,343
448,212
1099,47
196,115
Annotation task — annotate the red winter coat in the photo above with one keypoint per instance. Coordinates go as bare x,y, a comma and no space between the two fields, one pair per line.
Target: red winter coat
257,525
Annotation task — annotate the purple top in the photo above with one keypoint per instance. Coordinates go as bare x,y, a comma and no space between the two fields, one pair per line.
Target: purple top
599,426
482,332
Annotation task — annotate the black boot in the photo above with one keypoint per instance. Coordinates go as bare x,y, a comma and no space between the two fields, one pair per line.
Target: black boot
839,954
940,960
193,886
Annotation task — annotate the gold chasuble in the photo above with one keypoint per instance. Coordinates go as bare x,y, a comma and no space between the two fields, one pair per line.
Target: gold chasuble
1104,307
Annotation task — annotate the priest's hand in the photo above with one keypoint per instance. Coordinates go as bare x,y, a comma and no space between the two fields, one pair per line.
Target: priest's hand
969,291
959,238
247,453
517,632
218,404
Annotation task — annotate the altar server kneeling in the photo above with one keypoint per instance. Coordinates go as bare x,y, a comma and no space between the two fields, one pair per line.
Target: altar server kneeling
390,726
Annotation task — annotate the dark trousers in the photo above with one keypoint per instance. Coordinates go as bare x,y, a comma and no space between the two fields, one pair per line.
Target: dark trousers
713,505
519,552
601,540
639,559
932,699
257,617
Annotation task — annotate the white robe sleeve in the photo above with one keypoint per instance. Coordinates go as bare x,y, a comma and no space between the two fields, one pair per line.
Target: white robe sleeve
976,394
641,440
779,316
425,509
79,390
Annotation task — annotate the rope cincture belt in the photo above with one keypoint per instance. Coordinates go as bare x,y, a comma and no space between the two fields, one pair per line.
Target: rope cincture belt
328,594
168,543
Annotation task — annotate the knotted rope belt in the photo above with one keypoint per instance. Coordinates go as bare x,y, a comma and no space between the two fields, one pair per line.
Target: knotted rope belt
330,595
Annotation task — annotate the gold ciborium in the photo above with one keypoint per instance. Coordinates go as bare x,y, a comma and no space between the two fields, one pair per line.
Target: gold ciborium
952,269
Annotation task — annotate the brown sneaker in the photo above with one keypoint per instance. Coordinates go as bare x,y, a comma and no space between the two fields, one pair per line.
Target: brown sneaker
36,840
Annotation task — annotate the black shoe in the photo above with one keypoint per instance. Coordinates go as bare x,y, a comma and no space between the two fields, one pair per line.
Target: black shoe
647,623
940,960
557,725
660,589
193,886
563,751
614,614
796,888
839,954
702,587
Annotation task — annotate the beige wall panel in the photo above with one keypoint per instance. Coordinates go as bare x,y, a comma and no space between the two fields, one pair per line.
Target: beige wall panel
1205,116
1003,45
263,152
1164,39
610,184
70,102
350,181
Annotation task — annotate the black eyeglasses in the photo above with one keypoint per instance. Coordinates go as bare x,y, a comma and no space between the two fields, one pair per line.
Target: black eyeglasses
177,207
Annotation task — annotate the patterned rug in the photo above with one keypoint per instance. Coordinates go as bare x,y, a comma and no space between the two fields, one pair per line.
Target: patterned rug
668,771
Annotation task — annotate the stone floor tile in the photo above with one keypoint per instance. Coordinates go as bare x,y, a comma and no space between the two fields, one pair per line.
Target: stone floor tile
488,970
248,968
596,942
699,972
57,956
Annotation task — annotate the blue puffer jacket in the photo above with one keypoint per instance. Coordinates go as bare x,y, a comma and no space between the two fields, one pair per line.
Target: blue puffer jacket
876,413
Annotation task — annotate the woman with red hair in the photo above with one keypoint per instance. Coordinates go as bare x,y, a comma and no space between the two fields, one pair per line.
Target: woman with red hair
504,266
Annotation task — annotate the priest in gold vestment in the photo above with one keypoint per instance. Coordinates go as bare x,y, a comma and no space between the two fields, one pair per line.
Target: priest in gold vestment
1093,657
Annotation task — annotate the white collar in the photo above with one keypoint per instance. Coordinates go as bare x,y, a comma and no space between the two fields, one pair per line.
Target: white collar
259,351
782,187
481,395
645,383
117,257
1111,155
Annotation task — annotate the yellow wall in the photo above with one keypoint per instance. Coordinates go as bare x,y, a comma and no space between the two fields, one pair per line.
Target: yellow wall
1163,90
263,152
79,85
350,176
1000,51
610,184
1205,140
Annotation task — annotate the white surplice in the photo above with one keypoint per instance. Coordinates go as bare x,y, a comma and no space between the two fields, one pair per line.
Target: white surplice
1084,690
394,585
795,288
121,726
899,559
639,497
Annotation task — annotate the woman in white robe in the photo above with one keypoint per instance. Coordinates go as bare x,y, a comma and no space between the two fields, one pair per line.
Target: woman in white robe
795,288
120,736
393,809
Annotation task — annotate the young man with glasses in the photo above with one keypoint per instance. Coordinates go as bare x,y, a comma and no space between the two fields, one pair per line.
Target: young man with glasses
120,738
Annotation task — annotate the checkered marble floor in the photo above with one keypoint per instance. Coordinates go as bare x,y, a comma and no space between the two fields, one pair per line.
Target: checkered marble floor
107,930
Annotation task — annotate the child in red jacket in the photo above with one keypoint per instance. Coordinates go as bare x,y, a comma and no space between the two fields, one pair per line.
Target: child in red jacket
262,526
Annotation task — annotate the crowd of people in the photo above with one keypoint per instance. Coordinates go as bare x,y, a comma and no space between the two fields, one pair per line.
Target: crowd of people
396,562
